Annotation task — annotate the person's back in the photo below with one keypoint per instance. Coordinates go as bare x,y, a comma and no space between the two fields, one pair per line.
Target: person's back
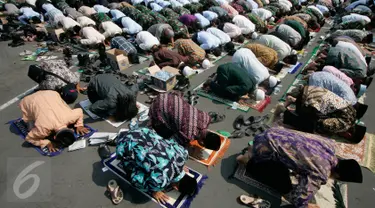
59,68
332,83
232,81
266,55
207,40
289,35
178,116
152,162
310,156
103,91
247,60
49,112
282,48
347,61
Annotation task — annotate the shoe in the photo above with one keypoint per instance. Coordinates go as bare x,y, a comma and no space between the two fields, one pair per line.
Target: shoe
104,151
238,122
237,134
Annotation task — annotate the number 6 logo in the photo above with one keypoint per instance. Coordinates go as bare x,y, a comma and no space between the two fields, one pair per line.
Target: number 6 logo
23,177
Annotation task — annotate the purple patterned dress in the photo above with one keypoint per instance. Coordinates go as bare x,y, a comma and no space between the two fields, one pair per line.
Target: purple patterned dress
310,157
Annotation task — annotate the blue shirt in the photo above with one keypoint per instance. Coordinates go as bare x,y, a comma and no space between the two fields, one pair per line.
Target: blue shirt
121,43
203,22
116,14
151,162
334,84
210,15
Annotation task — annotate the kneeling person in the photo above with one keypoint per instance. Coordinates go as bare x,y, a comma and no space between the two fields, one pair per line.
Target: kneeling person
154,164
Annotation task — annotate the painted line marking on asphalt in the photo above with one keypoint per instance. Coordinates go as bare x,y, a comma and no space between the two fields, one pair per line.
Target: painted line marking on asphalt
17,98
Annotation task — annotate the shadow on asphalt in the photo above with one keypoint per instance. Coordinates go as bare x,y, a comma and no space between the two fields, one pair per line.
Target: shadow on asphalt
101,178
228,168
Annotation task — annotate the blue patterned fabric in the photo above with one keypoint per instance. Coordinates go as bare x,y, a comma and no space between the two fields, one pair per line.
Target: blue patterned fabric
150,162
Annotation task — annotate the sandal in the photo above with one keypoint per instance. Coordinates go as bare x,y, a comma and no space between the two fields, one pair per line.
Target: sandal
116,193
254,202
237,134
216,118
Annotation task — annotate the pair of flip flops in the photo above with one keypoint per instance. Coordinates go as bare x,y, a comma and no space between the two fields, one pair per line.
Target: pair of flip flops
254,201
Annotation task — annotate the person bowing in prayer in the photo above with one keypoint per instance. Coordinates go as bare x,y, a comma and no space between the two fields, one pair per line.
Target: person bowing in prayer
153,164
172,117
46,113
308,158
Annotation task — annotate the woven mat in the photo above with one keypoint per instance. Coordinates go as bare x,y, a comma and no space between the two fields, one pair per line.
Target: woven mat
211,157
362,152
176,199
325,198
242,104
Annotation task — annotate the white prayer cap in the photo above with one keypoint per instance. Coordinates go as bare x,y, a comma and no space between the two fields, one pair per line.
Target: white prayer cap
272,19
259,95
272,81
187,71
254,35
293,52
206,64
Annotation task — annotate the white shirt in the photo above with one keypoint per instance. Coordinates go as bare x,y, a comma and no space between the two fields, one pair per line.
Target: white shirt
350,46
322,8
355,17
184,2
223,37
134,2
85,21
68,23
87,11
221,2
263,14
283,49
31,2
290,5
293,36
28,12
232,30
254,5
47,7
163,3
285,5
116,14
316,9
91,36
155,7
210,15
175,4
247,60
130,26
202,20
146,40
101,9
207,40
110,29
244,23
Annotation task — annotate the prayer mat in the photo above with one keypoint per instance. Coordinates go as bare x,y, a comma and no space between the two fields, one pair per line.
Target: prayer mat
298,81
243,104
211,157
22,131
362,152
291,69
85,104
331,195
176,199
